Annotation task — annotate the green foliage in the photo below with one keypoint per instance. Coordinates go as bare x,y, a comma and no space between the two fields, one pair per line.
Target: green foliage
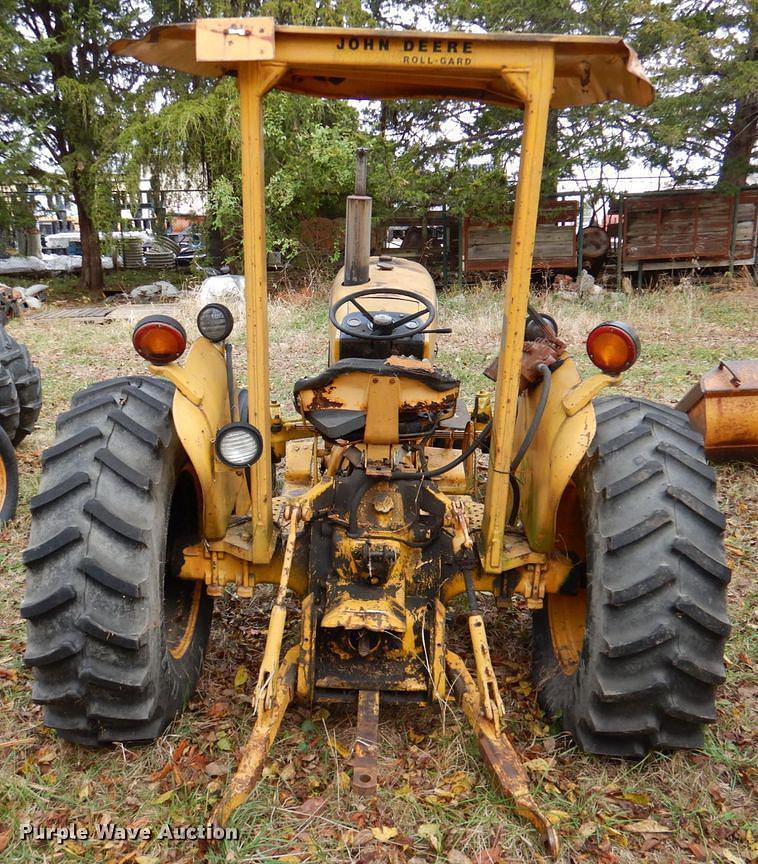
63,99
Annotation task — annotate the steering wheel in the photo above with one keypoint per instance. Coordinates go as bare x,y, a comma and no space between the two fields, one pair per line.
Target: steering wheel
382,325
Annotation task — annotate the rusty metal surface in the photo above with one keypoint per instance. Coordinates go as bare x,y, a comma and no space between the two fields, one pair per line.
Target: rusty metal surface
259,743
498,752
723,407
365,771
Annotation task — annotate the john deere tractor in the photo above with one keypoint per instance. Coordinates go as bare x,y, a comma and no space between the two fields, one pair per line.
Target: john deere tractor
158,495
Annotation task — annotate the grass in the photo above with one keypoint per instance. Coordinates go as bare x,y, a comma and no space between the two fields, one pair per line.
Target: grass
436,803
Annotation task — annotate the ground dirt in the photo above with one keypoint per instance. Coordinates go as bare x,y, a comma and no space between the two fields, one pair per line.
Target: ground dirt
436,803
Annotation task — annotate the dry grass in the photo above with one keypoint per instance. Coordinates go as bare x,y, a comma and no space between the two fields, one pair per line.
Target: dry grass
434,790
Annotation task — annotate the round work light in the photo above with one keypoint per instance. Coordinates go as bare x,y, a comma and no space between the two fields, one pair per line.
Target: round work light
215,322
239,445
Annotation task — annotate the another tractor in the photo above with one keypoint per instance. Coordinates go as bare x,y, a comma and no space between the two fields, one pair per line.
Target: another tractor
158,492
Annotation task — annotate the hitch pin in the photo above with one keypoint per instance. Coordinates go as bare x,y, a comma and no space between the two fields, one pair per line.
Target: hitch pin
266,687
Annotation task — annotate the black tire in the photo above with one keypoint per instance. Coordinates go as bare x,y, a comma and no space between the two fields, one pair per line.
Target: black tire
10,410
115,508
15,358
8,479
656,623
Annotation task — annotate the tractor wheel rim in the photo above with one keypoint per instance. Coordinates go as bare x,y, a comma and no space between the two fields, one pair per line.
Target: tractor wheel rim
567,614
3,483
179,648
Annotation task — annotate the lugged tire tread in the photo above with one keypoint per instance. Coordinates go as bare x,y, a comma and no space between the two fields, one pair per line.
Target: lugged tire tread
98,511
53,546
49,496
91,568
99,655
34,607
66,417
147,436
657,602
633,479
62,448
125,472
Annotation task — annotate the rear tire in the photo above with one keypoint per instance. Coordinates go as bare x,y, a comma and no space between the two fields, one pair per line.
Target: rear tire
116,640
643,671
15,358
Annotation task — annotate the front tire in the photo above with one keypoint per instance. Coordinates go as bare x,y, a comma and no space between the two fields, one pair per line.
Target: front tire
116,640
16,360
629,655
8,478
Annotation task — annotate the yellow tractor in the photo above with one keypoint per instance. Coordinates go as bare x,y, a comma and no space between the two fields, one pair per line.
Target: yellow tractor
159,492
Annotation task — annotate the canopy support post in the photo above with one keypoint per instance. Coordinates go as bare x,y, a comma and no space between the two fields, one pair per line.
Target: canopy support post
534,85
254,80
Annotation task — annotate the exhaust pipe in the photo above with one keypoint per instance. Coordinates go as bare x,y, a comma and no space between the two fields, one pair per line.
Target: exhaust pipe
358,226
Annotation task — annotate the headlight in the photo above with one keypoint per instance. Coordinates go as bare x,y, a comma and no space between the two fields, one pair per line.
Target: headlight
215,322
239,445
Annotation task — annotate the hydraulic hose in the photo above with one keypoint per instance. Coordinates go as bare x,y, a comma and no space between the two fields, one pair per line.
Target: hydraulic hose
482,436
436,472
540,410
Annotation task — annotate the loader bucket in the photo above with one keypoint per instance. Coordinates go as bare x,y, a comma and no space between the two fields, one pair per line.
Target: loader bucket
723,406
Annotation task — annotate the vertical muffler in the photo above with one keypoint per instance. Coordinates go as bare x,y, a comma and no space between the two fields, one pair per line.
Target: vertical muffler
358,226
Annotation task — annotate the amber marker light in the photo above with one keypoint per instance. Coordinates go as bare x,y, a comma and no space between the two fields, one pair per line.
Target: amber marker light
159,339
613,347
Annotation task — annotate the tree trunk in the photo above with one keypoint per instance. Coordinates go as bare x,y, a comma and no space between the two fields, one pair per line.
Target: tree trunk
91,279
552,164
743,136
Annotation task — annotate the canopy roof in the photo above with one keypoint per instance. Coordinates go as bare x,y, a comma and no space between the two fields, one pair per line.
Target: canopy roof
360,63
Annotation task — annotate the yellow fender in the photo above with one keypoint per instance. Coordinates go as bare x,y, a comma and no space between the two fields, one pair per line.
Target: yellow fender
200,409
562,438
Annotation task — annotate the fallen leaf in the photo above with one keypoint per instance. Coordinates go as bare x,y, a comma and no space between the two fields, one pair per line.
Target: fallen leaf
240,677
585,831
637,798
161,799
84,792
342,750
311,806
732,856
538,765
647,826
5,837
557,816
488,856
147,859
216,769
454,856
431,831
384,833
224,744
287,773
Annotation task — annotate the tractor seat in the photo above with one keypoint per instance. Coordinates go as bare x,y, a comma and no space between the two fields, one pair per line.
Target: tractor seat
377,401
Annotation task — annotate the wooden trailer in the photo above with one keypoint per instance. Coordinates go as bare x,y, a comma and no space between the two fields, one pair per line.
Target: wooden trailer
486,246
688,229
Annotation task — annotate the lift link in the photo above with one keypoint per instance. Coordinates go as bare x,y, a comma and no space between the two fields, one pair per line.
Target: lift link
489,693
498,752
265,691
259,743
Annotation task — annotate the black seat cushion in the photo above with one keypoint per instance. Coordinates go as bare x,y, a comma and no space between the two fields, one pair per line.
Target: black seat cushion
348,424
433,377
